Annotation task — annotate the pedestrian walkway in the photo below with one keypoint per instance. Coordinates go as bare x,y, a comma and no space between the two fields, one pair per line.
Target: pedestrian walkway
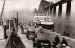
51,35
20,40
14,41
26,42
2,43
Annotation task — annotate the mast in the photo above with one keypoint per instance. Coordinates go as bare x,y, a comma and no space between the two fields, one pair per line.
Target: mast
17,21
2,12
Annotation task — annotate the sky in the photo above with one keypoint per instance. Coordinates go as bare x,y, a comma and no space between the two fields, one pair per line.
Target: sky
25,4
17,4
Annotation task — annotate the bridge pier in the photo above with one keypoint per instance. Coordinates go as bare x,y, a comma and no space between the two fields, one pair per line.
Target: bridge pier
60,10
68,9
54,11
51,9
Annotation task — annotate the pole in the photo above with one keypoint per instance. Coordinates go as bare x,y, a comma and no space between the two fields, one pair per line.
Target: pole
17,22
2,11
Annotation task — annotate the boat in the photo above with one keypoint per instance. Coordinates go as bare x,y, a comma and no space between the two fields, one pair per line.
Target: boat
44,21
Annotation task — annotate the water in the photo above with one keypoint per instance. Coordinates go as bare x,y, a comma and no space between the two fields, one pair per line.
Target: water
65,24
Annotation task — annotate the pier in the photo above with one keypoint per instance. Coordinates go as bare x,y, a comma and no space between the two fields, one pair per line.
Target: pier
48,28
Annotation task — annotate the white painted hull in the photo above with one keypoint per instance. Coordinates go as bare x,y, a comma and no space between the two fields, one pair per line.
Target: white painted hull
47,23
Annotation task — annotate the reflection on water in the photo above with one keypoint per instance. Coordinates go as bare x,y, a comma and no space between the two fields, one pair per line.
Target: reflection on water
64,24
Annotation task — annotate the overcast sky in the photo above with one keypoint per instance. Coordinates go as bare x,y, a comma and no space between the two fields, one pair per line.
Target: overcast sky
27,4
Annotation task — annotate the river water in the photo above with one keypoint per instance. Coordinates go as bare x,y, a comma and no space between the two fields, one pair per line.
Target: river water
65,24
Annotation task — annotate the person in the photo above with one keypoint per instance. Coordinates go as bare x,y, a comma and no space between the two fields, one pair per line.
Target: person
66,34
64,43
56,41
14,41
67,47
5,35
22,29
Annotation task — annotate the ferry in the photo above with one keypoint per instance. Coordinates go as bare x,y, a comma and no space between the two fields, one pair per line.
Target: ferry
44,21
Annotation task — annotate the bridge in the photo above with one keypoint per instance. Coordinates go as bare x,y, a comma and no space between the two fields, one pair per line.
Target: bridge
51,7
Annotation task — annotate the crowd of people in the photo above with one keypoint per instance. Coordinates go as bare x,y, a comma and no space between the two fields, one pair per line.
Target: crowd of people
60,44
56,43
